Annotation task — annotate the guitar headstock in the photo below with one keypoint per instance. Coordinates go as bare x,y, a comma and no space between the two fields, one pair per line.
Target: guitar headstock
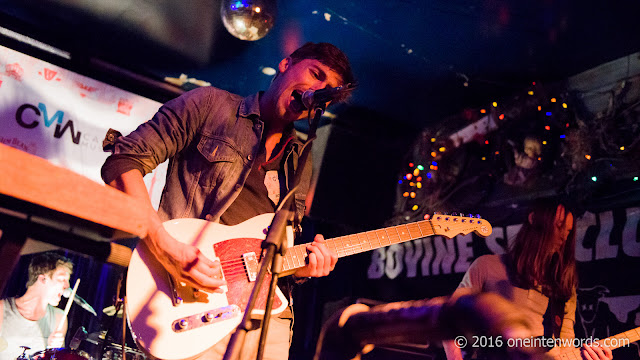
451,225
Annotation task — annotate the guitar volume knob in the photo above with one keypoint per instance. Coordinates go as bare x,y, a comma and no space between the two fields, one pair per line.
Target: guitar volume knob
208,316
183,323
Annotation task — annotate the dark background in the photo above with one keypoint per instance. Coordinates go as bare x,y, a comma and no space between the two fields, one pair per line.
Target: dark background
425,69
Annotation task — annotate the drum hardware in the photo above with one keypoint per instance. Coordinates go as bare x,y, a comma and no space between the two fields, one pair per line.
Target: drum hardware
59,354
78,337
119,307
24,355
111,310
114,352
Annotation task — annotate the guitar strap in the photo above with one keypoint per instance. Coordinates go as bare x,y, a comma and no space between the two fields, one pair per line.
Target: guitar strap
298,198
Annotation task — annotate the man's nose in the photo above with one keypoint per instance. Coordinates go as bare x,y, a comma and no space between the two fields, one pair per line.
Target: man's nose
320,85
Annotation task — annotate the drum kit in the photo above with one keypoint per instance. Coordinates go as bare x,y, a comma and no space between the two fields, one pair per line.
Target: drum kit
80,215
112,352
95,346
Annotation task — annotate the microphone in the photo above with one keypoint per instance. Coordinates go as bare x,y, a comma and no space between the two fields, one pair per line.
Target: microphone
80,301
313,98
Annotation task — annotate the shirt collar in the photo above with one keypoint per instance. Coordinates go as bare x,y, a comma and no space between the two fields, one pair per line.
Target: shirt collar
250,106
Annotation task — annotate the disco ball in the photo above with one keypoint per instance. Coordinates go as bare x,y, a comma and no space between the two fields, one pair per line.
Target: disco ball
248,19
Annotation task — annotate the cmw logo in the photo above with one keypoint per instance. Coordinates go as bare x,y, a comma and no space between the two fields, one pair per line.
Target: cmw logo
41,110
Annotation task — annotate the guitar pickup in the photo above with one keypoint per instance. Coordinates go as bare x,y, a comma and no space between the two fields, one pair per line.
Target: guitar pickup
250,265
206,318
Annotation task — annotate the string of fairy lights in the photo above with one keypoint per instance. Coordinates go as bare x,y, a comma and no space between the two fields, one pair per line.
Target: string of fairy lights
430,174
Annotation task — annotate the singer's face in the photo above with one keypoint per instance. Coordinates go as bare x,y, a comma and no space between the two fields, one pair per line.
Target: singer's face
56,284
283,96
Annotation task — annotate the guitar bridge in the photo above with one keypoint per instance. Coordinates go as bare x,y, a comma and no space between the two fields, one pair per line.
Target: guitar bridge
250,265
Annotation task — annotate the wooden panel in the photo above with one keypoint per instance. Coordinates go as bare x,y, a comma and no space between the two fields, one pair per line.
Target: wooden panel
34,180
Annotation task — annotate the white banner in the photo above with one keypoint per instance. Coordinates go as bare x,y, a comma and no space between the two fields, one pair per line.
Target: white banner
62,116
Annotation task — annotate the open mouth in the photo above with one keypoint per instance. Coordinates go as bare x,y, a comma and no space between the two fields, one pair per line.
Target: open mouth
296,101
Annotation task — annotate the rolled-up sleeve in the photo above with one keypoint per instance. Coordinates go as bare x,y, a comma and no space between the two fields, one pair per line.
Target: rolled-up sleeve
170,130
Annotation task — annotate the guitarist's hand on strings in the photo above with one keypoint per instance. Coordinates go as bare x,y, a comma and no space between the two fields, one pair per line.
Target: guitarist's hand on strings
187,263
183,261
596,352
320,260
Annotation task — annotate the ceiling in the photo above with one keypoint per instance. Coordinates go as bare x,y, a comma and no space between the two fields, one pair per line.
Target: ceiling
416,61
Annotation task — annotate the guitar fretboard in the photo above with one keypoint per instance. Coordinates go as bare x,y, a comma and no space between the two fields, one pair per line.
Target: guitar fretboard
361,242
614,342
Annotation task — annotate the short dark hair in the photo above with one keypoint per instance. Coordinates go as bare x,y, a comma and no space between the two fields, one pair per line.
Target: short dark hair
46,264
329,55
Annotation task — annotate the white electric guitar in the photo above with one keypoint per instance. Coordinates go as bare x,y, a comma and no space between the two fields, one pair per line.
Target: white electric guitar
172,321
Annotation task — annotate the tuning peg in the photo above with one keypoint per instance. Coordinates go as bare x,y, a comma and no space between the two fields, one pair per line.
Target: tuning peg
478,216
471,216
436,213
454,214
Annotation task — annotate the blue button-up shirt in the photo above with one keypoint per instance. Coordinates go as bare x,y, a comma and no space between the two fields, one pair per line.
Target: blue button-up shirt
211,138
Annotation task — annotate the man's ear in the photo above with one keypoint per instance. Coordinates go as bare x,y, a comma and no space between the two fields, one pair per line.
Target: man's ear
284,64
42,278
530,217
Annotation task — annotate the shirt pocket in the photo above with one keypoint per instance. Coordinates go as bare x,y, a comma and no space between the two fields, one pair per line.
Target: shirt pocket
218,161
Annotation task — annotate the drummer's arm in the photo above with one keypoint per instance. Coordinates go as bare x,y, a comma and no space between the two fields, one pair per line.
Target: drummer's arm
56,339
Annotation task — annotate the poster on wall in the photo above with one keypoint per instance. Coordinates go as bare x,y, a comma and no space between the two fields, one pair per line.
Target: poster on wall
62,116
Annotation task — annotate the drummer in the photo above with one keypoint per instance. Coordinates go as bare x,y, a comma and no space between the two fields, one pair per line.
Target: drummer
32,319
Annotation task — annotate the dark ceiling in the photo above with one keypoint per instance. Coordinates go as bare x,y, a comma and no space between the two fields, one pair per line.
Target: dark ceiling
412,57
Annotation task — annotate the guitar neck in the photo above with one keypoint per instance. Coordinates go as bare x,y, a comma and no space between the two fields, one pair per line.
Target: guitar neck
619,340
361,242
613,342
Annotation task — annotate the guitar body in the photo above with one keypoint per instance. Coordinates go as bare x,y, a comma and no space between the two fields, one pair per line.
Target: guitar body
173,321
150,303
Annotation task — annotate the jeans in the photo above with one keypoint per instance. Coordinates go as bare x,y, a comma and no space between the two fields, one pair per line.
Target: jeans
276,348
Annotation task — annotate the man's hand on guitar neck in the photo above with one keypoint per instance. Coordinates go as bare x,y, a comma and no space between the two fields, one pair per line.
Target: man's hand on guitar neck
320,260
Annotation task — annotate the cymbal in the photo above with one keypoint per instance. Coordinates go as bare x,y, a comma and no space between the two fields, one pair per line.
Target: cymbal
3,344
110,310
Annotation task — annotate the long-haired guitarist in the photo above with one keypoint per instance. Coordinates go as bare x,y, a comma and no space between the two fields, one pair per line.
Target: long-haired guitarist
230,158
538,273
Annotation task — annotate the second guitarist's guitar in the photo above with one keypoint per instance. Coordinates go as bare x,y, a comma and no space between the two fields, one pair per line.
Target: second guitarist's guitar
613,342
172,321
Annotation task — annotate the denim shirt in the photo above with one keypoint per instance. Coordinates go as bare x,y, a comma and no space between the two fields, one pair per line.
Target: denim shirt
211,138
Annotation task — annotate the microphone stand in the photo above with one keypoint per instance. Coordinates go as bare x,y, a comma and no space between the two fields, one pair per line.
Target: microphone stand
120,294
273,244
